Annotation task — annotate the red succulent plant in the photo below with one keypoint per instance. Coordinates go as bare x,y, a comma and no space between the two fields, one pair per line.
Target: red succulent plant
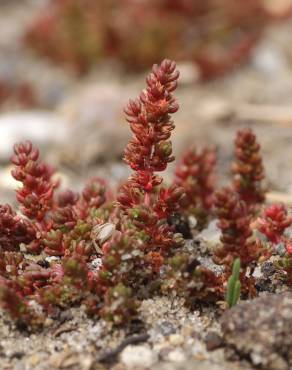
236,242
248,169
195,174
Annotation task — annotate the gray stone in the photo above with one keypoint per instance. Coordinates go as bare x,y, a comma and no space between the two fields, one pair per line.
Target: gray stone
260,329
166,328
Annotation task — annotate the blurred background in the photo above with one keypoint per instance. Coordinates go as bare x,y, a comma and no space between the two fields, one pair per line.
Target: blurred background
68,67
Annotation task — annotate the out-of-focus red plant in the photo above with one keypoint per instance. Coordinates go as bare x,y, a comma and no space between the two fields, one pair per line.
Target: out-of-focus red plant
195,174
217,35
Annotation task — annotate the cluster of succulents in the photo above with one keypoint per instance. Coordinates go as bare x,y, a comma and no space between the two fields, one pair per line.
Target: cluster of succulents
107,252
216,35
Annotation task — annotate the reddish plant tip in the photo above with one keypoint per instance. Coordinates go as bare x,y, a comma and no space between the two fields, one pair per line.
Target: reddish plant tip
149,119
36,193
273,222
23,152
248,169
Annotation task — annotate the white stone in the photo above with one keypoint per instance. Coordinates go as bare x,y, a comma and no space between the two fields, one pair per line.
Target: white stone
211,233
257,272
51,259
256,358
176,355
176,339
96,264
42,128
138,356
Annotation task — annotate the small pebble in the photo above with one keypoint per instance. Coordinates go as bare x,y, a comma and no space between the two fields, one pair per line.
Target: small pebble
166,328
213,341
138,356
176,355
176,339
